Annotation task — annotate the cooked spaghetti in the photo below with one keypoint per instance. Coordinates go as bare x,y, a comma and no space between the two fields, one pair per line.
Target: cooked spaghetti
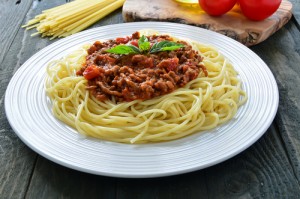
201,104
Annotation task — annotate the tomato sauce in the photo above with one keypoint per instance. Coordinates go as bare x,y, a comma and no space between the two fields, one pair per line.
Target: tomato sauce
138,76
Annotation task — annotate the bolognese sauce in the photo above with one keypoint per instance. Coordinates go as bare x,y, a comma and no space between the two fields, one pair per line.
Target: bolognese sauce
139,76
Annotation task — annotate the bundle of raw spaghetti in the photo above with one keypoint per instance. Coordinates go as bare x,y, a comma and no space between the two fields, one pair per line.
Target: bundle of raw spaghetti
70,18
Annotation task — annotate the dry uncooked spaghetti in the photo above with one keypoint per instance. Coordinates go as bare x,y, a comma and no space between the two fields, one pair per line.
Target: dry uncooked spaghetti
70,18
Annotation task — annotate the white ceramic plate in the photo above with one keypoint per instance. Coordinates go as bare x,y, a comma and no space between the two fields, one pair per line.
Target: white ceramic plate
29,112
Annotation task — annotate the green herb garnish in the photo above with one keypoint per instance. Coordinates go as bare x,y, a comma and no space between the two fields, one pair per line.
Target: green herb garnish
143,43
144,47
164,46
124,49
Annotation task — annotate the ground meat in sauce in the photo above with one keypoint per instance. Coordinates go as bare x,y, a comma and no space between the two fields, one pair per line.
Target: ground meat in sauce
138,76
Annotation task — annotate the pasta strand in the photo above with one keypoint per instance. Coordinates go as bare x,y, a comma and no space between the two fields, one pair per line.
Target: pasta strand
200,105
72,17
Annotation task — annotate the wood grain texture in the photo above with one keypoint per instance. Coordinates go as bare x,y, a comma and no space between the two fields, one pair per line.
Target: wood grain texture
11,17
284,63
191,185
233,24
50,180
262,171
17,161
296,11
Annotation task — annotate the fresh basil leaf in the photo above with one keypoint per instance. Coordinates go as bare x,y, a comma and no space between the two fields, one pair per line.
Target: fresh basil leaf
165,45
142,39
124,49
144,46
154,48
157,46
143,43
171,47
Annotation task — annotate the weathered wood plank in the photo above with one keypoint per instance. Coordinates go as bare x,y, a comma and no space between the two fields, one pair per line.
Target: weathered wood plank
282,54
16,159
11,17
53,181
16,163
296,11
262,171
191,185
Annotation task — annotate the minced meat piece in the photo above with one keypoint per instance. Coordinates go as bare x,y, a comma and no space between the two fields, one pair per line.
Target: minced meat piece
139,76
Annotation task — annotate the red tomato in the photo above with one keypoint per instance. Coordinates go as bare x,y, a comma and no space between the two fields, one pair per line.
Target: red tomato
259,9
122,40
134,43
91,72
216,7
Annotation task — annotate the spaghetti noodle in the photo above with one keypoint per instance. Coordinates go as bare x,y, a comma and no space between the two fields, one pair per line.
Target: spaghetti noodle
70,18
202,104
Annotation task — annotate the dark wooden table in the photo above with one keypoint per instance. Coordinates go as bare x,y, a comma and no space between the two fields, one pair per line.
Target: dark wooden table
270,168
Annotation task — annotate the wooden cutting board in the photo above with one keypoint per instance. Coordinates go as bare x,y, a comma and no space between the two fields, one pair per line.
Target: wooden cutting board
233,24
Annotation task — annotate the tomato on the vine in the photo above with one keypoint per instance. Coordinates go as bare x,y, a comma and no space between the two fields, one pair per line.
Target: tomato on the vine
216,7
259,9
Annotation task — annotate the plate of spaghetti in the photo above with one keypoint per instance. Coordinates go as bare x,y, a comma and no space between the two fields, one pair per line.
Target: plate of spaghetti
144,99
